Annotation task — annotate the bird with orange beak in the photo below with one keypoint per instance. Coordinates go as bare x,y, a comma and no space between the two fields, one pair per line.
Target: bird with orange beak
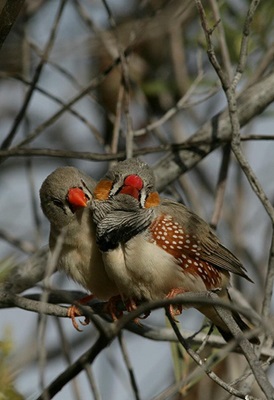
155,248
65,200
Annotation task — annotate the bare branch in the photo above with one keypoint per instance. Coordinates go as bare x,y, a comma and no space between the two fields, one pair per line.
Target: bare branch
202,364
8,17
25,275
129,366
7,141
73,370
244,44
250,103
222,180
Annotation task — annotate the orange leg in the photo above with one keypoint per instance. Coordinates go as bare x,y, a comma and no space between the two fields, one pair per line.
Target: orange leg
131,305
111,307
175,309
74,311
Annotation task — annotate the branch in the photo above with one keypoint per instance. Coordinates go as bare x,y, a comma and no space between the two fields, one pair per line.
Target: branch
109,331
202,364
213,133
234,116
148,332
22,113
87,358
26,274
130,370
248,352
8,17
31,302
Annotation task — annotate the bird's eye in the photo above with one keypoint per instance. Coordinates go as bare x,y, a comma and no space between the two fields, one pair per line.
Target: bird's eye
57,203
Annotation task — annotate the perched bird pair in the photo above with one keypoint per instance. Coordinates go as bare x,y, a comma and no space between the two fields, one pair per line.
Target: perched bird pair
121,238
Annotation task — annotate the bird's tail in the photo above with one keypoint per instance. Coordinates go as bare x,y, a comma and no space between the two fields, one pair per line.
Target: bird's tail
212,314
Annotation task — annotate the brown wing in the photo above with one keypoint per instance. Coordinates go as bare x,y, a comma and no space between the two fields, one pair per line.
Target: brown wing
206,244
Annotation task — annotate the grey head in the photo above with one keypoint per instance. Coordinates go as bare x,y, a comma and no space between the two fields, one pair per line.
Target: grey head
54,194
123,214
132,167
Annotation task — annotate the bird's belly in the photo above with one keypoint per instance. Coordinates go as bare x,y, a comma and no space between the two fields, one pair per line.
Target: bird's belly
152,272
83,262
114,261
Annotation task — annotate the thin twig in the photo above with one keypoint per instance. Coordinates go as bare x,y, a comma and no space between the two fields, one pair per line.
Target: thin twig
91,86
32,303
87,358
222,40
125,82
248,352
117,123
129,366
180,105
244,44
21,244
268,290
18,119
64,345
59,101
41,337
8,16
201,363
236,147
92,382
222,180
263,65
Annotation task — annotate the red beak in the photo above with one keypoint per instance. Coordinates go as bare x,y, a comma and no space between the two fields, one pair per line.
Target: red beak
76,197
132,186
131,191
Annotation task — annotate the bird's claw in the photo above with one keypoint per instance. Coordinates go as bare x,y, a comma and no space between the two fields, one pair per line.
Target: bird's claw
111,308
85,322
131,305
175,309
73,312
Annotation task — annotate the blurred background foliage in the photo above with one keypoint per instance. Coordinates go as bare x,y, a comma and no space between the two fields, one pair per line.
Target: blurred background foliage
165,60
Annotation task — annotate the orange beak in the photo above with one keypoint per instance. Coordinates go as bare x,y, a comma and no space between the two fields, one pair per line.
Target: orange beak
132,186
76,198
131,191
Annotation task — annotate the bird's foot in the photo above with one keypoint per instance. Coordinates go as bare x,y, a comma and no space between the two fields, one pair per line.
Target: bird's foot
175,309
74,311
112,309
131,305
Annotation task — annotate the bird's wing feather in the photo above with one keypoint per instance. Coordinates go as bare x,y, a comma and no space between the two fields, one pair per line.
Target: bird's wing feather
212,250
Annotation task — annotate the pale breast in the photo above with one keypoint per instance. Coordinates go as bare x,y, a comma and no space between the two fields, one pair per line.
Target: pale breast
154,272
81,259
114,261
